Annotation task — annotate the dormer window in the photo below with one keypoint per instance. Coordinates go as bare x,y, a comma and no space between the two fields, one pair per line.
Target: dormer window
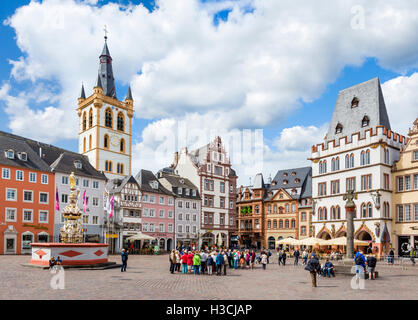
154,184
354,102
10,154
78,164
179,190
181,181
365,122
23,156
339,128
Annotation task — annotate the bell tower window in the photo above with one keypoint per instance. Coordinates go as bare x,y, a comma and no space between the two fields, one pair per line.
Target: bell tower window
108,118
84,121
365,122
106,141
122,145
121,121
90,118
354,102
339,128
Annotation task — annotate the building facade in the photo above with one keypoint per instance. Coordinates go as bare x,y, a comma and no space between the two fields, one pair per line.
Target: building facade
251,217
26,197
405,196
287,191
357,154
105,124
187,207
209,168
157,210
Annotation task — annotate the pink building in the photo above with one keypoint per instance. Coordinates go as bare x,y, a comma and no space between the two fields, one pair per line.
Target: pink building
157,210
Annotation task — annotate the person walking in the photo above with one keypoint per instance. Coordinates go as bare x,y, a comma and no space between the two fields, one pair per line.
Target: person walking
225,262
178,261
184,258
314,268
284,258
173,261
230,259
412,254
209,263
371,265
280,257
252,259
391,256
296,255
190,257
219,262
124,257
268,256
196,262
236,259
203,260
305,257
264,258
360,263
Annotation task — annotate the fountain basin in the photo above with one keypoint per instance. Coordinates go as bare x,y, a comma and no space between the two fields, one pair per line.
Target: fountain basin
71,254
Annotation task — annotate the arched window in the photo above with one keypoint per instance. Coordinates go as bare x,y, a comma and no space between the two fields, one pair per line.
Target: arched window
363,210
84,144
320,214
369,210
338,213
354,102
333,213
120,168
108,118
122,145
106,141
108,166
365,122
362,158
325,214
274,224
121,122
293,224
367,156
268,224
280,209
84,121
90,118
324,166
286,224
386,151
352,160
280,224
275,209
333,164
89,142
347,161
339,128
337,163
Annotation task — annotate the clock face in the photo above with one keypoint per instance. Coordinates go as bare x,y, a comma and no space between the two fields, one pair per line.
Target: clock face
114,140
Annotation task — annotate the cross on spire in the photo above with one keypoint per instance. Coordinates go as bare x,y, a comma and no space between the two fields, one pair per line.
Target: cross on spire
106,32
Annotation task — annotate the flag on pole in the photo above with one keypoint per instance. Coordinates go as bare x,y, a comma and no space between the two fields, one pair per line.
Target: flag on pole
111,207
84,201
57,200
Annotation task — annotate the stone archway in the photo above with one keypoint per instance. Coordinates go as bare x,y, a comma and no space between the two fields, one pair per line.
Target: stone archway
324,233
364,236
271,242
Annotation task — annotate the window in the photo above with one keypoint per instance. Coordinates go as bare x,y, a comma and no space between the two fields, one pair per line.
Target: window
286,224
27,215
152,213
27,239
19,175
145,227
386,181
10,154
407,183
415,211
187,204
121,121
108,166
170,214
354,102
11,215
180,204
5,173
64,198
399,213
339,128
222,187
161,200
44,179
179,228
400,184
11,194
161,214
365,157
95,220
218,170
407,212
108,118
120,168
170,227
303,216
84,121
64,180
222,202
293,223
365,122
95,202
151,227
95,184
293,207
366,182
322,189
43,216
106,141
416,155
274,224
122,145
351,184
170,201
85,219
161,227
85,183
43,197
27,196
335,187
303,231
287,208
335,164
349,161
32,177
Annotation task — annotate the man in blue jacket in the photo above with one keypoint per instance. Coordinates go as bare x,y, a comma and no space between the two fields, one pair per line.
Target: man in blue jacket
124,256
360,262
219,262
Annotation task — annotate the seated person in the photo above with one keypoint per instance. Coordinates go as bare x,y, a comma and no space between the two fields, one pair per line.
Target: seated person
328,269
59,261
52,262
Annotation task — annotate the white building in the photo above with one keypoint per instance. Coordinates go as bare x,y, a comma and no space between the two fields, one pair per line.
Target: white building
105,124
357,153
209,168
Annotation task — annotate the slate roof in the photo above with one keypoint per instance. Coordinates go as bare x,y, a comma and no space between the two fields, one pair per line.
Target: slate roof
106,73
33,162
144,178
116,185
175,181
371,104
305,184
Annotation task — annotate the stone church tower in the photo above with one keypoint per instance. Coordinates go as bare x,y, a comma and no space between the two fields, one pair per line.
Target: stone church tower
105,123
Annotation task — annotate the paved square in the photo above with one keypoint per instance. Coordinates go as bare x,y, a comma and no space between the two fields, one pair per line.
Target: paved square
147,277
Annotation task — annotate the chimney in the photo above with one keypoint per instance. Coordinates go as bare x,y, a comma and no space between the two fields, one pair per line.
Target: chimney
176,159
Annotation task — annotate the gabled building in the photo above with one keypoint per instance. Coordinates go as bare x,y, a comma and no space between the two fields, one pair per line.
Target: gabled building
405,196
126,220
357,154
157,210
210,169
286,204
187,207
26,197
251,218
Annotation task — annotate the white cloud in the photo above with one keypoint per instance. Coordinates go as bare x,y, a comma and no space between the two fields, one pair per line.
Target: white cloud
401,99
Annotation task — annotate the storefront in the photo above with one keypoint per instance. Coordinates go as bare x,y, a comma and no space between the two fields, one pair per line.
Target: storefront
405,244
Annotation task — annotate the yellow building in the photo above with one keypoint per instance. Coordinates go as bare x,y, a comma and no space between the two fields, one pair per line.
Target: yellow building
405,196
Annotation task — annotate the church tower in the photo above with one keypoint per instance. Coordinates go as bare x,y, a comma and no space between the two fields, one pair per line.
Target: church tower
105,123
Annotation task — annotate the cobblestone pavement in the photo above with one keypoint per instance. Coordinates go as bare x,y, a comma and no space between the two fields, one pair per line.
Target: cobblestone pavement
147,277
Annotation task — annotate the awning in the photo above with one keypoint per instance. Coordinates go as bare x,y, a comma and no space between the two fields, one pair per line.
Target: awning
312,241
342,241
140,236
289,240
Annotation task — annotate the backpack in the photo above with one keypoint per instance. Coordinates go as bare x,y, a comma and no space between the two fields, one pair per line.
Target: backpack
358,260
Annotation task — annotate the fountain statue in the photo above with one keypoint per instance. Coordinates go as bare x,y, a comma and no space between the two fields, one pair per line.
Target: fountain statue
72,231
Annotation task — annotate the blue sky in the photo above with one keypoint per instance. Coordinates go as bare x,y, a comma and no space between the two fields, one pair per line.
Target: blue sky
374,61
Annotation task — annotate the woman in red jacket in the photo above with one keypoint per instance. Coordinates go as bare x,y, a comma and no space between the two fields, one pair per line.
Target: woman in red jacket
184,261
190,261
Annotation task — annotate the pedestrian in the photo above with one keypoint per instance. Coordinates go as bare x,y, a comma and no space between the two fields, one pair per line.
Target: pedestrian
360,263
124,256
58,262
268,256
236,259
264,258
132,248
280,257
391,256
296,255
184,258
209,262
52,262
305,257
252,259
219,262
203,260
242,260
196,262
178,261
284,258
173,261
412,254
190,257
313,267
371,265
230,259
225,262
247,259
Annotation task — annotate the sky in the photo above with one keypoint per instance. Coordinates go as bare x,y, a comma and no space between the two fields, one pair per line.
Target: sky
262,74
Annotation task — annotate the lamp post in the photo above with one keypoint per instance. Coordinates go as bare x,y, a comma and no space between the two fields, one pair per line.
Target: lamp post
350,208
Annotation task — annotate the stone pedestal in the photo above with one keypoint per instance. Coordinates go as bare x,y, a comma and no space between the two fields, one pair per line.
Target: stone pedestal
71,254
